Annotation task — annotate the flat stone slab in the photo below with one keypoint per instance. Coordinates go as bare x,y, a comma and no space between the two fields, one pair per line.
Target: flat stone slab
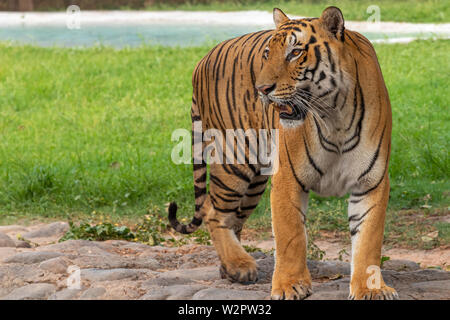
175,292
229,294
93,293
328,269
31,292
31,257
401,265
98,275
205,274
55,265
49,230
13,228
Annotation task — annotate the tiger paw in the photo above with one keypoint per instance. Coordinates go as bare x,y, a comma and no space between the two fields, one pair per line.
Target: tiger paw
243,272
384,293
291,290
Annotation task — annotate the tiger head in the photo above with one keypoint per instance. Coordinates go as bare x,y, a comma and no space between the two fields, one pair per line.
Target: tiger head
300,65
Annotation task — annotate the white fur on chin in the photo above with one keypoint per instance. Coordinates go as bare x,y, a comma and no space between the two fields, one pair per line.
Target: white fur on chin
290,124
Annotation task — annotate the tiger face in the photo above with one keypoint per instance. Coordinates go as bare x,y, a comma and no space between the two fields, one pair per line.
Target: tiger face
300,72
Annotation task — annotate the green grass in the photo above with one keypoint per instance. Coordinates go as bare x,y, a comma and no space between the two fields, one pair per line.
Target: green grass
90,130
402,10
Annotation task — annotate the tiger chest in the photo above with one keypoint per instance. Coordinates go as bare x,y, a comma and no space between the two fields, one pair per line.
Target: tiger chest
337,179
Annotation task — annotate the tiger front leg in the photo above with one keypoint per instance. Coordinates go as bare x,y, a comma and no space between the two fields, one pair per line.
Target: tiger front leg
366,217
291,278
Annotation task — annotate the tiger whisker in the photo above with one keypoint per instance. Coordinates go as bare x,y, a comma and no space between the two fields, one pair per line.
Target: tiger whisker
301,102
317,99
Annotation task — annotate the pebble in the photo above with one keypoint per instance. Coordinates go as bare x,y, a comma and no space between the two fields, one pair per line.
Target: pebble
6,241
55,265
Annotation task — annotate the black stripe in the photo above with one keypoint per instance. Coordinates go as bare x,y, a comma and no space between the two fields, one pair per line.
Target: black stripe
202,178
199,191
258,183
264,42
226,57
330,57
232,194
249,207
254,42
253,168
218,58
255,194
239,173
233,81
374,157
291,28
322,139
311,161
219,183
199,166
355,218
299,210
225,199
355,106
293,171
355,230
253,77
226,210
361,118
360,194
229,105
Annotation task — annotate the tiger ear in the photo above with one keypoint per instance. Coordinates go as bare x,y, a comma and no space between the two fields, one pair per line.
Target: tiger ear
333,21
279,17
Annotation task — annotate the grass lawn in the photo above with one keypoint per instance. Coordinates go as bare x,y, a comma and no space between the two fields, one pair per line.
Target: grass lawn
87,133
401,10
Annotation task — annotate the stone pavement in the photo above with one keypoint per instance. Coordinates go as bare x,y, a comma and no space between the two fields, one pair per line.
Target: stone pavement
127,270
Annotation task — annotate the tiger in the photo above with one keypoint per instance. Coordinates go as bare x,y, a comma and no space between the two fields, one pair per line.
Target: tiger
321,86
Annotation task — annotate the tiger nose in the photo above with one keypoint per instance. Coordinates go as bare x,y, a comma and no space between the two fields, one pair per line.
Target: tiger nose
266,89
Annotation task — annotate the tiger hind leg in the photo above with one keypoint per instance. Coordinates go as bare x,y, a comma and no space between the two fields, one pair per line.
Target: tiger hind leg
250,201
222,209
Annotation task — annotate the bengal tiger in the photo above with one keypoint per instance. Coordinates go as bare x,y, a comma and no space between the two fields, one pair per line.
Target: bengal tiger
334,119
